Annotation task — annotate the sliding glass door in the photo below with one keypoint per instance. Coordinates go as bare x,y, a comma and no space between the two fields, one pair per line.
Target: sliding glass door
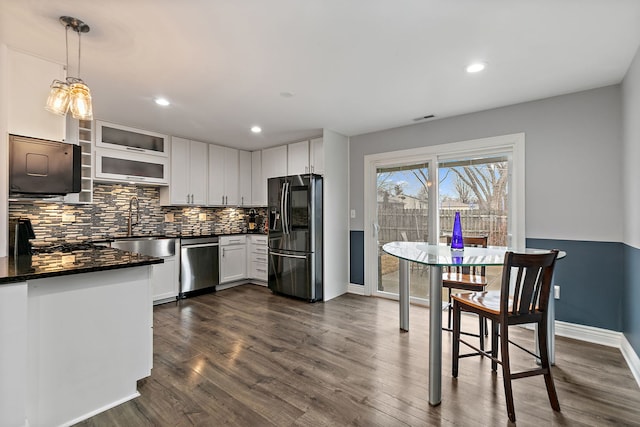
402,205
476,181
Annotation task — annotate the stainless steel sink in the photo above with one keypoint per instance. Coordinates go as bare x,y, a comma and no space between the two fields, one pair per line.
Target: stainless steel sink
160,247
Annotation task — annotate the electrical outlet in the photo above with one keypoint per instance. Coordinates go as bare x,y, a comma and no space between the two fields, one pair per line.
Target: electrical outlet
202,217
66,217
168,217
556,292
353,213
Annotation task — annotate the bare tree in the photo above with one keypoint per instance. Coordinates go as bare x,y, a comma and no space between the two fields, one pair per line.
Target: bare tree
488,183
422,176
463,190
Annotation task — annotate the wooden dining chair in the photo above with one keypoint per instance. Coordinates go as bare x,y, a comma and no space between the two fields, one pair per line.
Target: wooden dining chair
526,302
467,279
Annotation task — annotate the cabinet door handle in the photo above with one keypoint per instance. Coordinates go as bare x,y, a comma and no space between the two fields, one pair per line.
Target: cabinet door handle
223,252
140,150
242,200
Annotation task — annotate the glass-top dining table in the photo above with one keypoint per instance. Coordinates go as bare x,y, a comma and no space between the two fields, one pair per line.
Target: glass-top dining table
438,256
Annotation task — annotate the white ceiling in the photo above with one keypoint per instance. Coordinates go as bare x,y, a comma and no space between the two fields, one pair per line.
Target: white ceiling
354,66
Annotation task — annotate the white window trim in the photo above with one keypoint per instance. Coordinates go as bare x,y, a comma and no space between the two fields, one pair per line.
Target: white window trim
514,143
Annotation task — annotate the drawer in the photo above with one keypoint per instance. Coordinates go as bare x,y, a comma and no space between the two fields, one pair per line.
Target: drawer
258,270
233,240
258,240
259,257
259,250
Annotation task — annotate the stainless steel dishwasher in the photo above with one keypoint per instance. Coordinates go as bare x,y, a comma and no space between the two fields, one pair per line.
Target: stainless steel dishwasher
198,265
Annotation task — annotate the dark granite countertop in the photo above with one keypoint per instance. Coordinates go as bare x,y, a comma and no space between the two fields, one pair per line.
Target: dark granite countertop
176,236
38,266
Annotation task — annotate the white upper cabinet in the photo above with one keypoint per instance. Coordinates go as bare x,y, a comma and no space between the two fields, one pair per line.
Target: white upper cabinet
244,178
223,176
188,174
274,162
198,168
305,157
28,82
298,158
258,184
316,156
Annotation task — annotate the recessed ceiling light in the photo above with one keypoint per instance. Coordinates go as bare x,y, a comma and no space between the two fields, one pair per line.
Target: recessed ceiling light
162,101
476,67
256,129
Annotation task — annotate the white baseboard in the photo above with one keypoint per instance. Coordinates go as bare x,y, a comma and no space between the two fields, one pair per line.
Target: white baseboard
589,334
355,289
602,337
102,409
631,357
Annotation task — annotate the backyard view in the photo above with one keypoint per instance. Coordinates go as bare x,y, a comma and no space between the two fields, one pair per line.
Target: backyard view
477,188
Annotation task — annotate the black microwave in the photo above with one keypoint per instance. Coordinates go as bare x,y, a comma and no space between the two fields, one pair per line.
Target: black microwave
39,167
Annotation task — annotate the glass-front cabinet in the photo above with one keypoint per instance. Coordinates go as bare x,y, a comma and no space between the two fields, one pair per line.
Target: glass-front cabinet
118,137
131,155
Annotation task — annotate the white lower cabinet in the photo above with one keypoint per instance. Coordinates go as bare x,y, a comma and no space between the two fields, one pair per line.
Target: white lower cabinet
233,258
164,281
258,258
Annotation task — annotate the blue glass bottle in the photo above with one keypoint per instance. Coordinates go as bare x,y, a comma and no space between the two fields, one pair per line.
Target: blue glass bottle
457,242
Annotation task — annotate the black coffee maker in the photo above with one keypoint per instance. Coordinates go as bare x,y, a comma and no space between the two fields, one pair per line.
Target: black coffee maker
19,235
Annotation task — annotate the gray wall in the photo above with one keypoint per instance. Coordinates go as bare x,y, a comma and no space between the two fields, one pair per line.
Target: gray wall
574,196
631,126
568,140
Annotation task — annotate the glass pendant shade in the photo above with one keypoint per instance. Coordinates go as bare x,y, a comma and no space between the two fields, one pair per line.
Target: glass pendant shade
457,241
80,100
72,94
58,100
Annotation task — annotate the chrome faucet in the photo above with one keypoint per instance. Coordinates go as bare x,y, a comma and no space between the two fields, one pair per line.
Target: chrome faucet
130,223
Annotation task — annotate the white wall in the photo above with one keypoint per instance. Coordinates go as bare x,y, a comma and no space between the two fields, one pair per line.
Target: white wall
631,126
4,151
573,160
336,214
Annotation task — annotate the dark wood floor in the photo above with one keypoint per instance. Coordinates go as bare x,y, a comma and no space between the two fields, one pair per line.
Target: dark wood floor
245,357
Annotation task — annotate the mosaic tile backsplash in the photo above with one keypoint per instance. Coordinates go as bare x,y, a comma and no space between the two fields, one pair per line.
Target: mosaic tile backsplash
108,216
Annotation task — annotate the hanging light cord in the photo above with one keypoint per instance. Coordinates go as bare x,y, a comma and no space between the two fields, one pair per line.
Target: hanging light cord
66,47
79,48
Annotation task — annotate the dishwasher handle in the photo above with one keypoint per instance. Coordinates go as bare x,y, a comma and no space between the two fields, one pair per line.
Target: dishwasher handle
201,245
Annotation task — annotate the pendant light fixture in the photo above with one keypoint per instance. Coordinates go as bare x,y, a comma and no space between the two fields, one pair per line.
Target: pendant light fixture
72,94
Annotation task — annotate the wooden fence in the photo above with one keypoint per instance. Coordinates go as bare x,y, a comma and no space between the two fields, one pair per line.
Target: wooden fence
411,224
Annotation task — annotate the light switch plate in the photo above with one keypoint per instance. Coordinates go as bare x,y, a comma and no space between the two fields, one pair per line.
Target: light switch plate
168,217
353,213
556,292
202,217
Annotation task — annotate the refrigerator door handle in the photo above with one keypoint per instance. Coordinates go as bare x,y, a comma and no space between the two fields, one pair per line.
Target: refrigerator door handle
285,211
283,219
288,256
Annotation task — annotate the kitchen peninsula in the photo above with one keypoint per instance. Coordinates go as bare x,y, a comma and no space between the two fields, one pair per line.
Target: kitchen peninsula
76,333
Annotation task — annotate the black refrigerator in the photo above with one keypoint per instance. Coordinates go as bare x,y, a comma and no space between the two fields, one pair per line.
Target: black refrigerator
295,236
